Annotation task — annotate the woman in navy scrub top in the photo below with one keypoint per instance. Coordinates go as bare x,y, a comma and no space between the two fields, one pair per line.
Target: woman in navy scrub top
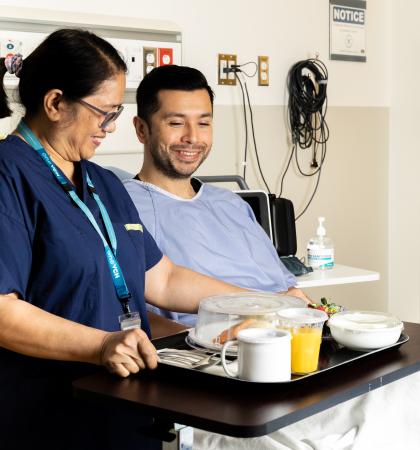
74,255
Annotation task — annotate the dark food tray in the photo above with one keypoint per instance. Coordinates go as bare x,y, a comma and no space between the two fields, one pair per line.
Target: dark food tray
331,355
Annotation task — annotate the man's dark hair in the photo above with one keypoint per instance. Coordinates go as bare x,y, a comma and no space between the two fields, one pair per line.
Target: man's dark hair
173,78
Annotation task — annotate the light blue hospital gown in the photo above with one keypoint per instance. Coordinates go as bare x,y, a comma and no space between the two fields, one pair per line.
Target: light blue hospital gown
214,233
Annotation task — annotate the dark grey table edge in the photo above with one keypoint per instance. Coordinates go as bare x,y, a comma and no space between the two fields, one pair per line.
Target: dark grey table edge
100,388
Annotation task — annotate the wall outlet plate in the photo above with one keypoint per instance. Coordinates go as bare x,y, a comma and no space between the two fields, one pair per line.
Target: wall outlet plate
166,56
149,59
263,71
225,62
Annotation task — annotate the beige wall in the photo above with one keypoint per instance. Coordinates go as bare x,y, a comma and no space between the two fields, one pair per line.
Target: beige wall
286,30
368,178
404,163
353,192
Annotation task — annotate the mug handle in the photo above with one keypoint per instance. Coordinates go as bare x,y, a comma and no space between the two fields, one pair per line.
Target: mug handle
223,358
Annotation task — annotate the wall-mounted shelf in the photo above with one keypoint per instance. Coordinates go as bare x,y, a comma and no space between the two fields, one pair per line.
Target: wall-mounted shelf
46,21
338,275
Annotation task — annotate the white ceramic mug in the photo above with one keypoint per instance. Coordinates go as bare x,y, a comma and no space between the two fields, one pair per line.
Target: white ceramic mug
263,355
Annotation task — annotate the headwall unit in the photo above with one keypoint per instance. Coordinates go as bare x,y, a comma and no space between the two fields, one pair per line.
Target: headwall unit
143,43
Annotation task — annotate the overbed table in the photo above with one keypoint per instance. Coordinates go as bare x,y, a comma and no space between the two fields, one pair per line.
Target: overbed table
252,409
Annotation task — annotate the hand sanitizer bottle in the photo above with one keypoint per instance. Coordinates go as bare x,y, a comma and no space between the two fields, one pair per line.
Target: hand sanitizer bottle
320,249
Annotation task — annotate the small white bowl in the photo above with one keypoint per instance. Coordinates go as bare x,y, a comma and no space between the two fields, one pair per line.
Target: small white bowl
365,330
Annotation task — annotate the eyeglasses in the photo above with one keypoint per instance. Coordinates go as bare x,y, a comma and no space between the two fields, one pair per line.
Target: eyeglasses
109,117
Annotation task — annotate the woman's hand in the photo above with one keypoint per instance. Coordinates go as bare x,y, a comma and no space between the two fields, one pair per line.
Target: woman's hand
126,352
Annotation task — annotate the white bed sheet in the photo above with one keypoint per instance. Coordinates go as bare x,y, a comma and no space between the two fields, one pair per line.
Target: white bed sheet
387,418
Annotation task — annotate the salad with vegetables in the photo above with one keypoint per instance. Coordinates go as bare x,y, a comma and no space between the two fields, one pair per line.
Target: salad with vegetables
327,306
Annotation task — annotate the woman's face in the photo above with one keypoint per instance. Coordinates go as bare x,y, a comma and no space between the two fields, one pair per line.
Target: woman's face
81,134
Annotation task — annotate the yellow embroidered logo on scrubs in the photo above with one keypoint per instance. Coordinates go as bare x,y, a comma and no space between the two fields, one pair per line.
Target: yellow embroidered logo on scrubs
134,227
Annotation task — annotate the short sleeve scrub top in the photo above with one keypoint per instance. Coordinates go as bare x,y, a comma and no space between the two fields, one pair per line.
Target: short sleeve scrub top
52,257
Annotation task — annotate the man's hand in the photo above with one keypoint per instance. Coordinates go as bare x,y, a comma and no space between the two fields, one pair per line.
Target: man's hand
296,292
126,352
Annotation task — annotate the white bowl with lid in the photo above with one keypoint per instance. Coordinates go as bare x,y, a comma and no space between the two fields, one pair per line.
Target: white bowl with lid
365,330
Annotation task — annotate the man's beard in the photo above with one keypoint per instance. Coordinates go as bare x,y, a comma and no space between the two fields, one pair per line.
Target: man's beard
164,164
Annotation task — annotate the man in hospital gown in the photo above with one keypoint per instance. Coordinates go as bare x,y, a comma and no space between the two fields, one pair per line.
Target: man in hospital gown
200,226
213,231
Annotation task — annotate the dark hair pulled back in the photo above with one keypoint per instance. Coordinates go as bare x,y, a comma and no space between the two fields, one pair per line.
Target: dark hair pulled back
74,61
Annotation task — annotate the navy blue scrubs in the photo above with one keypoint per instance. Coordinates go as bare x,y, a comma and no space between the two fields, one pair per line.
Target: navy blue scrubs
53,258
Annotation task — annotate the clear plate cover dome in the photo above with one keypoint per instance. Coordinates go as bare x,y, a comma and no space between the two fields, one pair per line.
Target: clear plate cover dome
221,317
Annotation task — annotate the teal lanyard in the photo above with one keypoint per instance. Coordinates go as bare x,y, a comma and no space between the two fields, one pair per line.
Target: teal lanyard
111,254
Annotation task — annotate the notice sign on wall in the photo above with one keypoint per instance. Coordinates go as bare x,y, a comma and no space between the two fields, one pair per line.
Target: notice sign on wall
348,30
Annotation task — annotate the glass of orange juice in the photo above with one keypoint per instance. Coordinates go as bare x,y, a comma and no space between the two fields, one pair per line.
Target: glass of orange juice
305,326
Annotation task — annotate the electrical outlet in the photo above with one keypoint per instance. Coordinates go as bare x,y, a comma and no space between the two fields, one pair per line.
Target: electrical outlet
166,56
149,59
263,71
224,76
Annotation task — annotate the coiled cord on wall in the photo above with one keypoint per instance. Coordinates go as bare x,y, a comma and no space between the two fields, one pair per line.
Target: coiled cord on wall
307,108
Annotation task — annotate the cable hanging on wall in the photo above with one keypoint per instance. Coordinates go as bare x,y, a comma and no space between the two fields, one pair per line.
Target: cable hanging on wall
244,89
244,162
307,108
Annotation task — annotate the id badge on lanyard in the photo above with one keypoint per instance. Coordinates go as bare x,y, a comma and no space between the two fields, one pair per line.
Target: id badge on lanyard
128,320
